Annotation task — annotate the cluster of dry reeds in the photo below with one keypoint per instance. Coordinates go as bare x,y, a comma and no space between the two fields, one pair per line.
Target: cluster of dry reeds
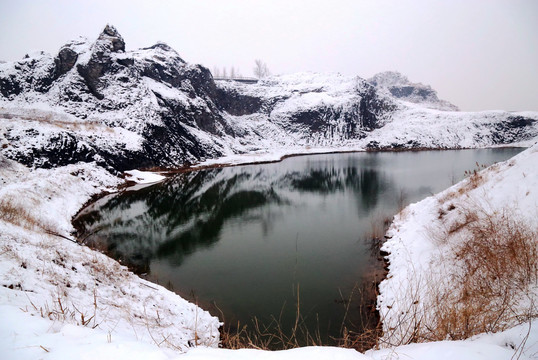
486,286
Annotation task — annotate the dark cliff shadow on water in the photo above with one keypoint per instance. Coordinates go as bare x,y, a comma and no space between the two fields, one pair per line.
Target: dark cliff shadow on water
171,219
362,177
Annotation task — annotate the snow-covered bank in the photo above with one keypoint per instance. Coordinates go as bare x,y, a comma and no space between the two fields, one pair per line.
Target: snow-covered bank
50,283
430,257
517,342
143,177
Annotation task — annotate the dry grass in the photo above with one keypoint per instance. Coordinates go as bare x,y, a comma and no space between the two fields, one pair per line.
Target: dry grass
60,121
273,336
474,178
498,261
59,310
16,214
486,286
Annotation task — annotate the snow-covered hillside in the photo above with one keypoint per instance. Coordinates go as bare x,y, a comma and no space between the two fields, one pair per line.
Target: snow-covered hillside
51,282
96,101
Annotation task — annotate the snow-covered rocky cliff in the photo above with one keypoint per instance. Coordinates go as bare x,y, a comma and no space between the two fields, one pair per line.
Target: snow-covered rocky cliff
400,87
95,101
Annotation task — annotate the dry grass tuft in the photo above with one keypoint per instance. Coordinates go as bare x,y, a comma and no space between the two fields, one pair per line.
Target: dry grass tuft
498,261
59,310
15,214
493,266
273,336
475,178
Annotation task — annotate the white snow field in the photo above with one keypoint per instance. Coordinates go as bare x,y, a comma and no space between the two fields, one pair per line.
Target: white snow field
61,300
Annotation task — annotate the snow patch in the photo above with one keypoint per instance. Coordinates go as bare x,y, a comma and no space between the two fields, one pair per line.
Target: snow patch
143,177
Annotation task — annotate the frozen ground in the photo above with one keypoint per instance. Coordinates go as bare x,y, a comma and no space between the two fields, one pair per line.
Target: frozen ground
61,300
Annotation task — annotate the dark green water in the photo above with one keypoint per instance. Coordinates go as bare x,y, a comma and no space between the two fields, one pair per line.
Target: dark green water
250,239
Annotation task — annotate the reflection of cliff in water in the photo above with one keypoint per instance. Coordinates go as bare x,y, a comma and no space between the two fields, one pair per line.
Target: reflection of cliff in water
362,176
187,212
178,216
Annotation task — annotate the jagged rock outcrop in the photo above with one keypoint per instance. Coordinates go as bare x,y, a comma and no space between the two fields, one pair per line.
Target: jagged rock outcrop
97,101
400,87
65,60
100,61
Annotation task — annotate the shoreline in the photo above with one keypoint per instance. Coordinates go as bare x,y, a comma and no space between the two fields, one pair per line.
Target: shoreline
215,163
128,186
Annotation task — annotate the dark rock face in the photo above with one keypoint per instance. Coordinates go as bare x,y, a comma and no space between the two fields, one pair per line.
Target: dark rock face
237,104
110,41
164,68
313,119
111,35
400,87
34,73
371,106
514,129
352,122
65,61
395,146
65,148
407,91
162,144
10,86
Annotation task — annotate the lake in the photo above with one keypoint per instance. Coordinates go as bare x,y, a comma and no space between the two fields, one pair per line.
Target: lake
255,241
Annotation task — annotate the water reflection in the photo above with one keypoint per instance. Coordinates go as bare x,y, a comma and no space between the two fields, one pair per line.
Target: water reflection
246,237
188,211
207,225
172,219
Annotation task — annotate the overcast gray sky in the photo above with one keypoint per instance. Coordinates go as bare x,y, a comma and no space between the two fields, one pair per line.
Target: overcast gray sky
478,54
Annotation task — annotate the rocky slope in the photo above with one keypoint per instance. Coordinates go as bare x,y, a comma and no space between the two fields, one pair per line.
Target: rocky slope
400,87
95,101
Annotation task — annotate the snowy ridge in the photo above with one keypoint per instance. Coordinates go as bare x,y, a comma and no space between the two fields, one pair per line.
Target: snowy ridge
416,127
399,86
172,113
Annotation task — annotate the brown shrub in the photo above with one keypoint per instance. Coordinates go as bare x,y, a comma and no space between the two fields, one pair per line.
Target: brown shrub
497,261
